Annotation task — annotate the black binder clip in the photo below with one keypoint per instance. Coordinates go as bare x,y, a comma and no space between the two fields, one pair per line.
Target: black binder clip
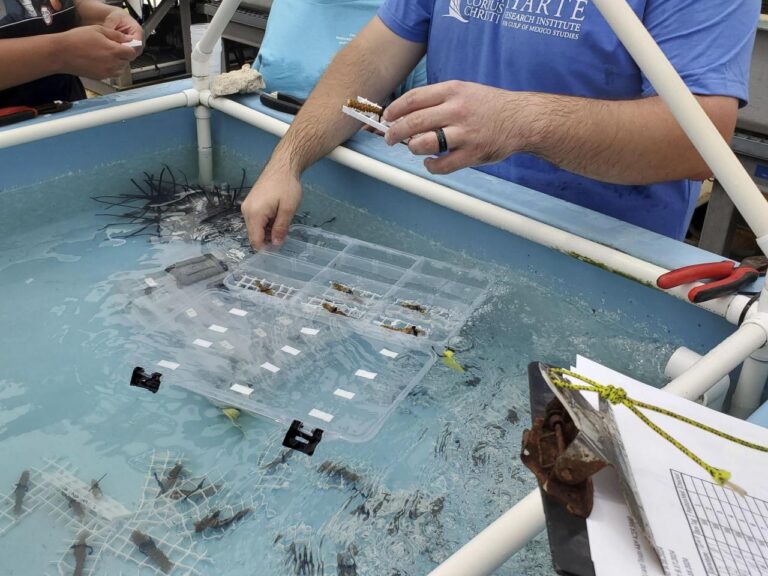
297,439
140,379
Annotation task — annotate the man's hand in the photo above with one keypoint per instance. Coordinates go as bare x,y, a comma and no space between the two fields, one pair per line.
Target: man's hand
270,205
479,122
121,21
372,64
630,142
94,52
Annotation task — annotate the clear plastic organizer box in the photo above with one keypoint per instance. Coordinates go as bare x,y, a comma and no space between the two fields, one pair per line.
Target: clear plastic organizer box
328,330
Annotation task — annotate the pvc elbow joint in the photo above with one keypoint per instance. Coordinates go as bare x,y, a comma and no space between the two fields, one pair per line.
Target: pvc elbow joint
759,319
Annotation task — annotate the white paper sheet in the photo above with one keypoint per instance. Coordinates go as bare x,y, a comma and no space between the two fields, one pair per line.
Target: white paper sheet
697,527
617,546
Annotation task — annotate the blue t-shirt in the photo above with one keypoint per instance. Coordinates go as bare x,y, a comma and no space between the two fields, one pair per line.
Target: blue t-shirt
566,47
303,36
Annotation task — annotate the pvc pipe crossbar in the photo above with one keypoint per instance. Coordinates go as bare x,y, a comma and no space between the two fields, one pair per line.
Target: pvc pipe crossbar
67,124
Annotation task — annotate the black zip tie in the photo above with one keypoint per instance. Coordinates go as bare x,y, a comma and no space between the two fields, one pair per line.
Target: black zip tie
743,315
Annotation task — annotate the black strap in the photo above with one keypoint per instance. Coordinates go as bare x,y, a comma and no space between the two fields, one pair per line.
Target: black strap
743,315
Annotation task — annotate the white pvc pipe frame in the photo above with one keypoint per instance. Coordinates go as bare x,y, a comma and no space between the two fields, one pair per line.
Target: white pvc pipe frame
513,530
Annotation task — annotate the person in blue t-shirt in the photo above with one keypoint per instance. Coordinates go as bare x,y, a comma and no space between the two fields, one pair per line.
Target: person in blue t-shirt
539,92
302,38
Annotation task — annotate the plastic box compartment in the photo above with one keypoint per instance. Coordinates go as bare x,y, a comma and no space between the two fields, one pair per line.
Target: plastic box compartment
387,281
269,275
327,330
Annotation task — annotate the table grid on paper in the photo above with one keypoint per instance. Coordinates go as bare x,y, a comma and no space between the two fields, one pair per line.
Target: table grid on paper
730,531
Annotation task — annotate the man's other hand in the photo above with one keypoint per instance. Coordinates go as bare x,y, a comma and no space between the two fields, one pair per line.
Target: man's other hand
270,206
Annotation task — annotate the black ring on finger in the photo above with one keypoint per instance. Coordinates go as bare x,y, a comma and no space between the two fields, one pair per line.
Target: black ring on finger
442,141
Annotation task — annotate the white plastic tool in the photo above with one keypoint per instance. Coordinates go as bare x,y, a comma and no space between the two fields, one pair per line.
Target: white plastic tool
133,43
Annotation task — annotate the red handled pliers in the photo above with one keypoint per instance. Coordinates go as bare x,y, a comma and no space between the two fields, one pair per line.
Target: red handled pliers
725,277
14,114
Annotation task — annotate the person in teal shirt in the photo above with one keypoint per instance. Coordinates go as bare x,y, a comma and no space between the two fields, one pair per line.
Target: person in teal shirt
303,36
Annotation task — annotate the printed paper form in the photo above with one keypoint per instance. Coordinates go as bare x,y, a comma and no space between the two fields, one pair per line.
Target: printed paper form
698,527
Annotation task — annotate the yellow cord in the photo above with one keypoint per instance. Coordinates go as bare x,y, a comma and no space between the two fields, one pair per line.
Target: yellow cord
616,395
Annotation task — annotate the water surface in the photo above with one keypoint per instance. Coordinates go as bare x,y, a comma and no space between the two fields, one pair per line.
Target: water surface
442,467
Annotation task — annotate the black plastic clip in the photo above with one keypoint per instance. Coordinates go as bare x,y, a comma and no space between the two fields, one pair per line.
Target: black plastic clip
297,439
140,379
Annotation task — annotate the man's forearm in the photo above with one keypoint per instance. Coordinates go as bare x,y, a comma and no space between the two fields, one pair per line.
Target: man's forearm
631,142
370,66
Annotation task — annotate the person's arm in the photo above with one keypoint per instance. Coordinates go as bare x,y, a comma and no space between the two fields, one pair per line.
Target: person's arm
91,51
631,142
371,65
27,59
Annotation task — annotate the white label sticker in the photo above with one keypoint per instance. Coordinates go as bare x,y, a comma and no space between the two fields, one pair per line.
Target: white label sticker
319,414
168,364
191,312
344,393
202,343
237,312
366,374
226,345
271,367
217,328
150,282
244,390
388,353
310,331
290,350
260,333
